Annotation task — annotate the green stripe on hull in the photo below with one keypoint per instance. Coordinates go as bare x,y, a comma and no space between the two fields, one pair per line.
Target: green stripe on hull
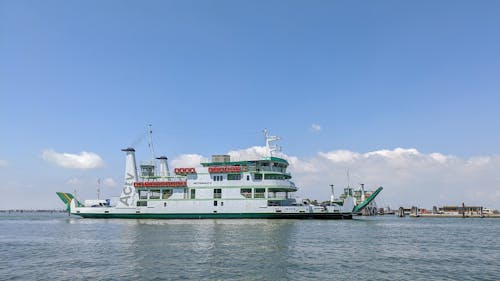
218,216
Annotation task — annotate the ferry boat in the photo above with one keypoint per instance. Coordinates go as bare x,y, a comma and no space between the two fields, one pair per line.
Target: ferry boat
221,188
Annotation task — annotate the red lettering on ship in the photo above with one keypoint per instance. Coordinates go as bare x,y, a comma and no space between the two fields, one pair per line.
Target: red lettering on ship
225,169
140,184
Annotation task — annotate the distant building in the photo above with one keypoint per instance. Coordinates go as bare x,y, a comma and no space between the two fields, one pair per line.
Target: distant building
459,210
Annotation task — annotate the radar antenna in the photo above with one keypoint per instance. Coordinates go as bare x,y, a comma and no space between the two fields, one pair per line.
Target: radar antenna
271,148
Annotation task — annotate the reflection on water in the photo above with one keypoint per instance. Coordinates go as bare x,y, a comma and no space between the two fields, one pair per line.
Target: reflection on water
57,247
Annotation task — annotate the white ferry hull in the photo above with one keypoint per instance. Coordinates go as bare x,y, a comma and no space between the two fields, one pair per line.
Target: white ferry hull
237,210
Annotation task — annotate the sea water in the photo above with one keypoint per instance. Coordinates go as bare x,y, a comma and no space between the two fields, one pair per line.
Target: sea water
44,246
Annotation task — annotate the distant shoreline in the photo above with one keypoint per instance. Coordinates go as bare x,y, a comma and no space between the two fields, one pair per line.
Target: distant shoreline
457,216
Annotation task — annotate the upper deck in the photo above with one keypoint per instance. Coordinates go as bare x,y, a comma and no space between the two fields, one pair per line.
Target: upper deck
265,168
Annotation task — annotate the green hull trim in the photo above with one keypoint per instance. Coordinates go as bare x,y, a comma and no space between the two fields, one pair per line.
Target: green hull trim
329,216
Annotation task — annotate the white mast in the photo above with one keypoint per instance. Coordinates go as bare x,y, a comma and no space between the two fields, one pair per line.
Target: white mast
270,149
151,148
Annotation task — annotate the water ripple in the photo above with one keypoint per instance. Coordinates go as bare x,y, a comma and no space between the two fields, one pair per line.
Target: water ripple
55,247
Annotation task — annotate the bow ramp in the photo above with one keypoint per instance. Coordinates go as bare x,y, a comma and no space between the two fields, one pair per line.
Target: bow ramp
66,198
365,203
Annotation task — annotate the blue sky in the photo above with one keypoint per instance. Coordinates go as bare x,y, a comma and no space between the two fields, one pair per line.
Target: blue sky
210,75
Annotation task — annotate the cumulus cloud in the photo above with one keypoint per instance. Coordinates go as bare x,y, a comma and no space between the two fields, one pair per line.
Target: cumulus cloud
409,176
83,160
316,127
188,160
254,152
74,181
91,182
109,182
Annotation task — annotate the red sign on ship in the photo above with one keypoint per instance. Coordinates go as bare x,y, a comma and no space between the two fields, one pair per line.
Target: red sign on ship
225,169
160,184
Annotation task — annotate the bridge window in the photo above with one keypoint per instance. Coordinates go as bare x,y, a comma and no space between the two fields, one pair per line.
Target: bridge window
273,177
234,177
193,193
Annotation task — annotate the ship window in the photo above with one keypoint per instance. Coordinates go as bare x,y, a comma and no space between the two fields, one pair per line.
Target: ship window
193,193
154,194
234,177
166,193
246,192
142,203
248,177
217,193
218,178
215,203
258,176
260,193
143,194
274,177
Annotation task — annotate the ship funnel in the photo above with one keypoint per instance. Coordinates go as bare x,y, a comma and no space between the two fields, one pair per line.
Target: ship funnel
164,171
127,197
130,166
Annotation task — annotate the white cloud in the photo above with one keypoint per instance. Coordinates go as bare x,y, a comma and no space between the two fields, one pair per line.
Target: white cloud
188,160
339,156
109,182
74,181
251,153
91,182
316,127
3,163
479,161
84,160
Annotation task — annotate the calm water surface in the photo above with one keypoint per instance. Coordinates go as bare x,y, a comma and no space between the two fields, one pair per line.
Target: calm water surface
57,247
